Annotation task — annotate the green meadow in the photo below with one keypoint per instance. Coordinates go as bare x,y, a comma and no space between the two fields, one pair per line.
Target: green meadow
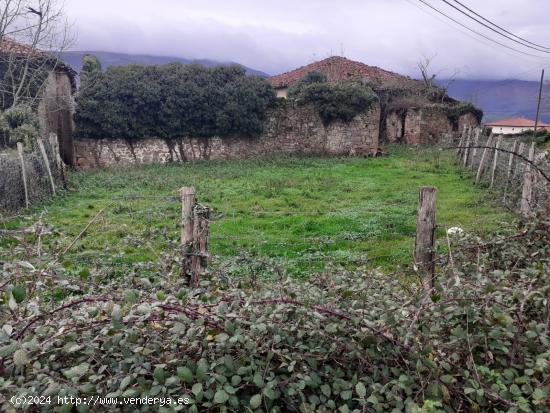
283,215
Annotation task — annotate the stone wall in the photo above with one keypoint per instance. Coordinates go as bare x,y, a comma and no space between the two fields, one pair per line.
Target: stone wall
289,129
423,126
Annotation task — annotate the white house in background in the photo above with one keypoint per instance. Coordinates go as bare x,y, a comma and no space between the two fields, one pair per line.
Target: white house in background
513,126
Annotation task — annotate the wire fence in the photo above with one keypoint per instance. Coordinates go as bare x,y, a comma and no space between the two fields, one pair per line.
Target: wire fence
141,234
508,164
30,175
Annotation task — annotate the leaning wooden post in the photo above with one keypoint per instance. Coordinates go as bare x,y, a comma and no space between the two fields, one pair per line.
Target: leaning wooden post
187,224
424,248
467,149
476,144
461,142
47,163
511,160
483,158
54,144
528,180
495,160
509,169
201,217
23,173
519,161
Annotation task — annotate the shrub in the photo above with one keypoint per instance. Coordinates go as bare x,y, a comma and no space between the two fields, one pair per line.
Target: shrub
309,79
333,101
20,124
338,342
172,101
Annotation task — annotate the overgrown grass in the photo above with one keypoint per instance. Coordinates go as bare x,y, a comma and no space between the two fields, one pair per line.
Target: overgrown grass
286,214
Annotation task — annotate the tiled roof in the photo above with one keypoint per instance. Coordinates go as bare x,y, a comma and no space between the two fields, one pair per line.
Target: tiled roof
12,47
517,122
338,68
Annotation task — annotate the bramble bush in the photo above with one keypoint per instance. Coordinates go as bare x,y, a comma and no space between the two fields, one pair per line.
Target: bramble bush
341,341
171,101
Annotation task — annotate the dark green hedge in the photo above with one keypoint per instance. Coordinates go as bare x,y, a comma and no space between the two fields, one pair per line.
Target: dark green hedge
172,101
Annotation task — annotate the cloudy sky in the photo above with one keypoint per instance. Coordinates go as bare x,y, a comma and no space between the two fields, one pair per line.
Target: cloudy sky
275,36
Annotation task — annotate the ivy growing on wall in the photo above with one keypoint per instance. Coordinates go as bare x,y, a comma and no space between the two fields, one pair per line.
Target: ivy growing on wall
334,101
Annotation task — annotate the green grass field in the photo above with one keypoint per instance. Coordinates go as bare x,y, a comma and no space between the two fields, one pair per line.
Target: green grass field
287,214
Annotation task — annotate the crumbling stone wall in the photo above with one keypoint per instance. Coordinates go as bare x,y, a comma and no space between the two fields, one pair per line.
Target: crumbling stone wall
423,126
289,129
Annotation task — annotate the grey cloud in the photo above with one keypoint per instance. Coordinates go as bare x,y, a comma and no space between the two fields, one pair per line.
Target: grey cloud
275,36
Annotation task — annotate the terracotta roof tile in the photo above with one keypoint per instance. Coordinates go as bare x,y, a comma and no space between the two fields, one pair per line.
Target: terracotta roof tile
338,68
517,122
13,47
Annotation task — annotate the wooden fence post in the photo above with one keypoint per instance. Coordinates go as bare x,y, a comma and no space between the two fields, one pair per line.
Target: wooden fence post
54,144
461,142
511,159
467,149
519,161
187,232
483,158
424,247
509,170
476,143
528,181
23,173
46,162
495,160
200,241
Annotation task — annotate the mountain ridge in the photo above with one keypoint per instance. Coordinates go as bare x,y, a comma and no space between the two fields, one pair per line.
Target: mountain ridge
108,59
502,98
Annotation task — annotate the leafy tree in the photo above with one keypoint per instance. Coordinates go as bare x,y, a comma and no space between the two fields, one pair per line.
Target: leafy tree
91,69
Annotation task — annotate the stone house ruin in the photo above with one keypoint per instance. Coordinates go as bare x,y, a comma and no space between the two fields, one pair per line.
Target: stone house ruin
407,114
54,100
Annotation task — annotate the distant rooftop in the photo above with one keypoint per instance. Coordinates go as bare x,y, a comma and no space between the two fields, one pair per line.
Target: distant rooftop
517,123
338,68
